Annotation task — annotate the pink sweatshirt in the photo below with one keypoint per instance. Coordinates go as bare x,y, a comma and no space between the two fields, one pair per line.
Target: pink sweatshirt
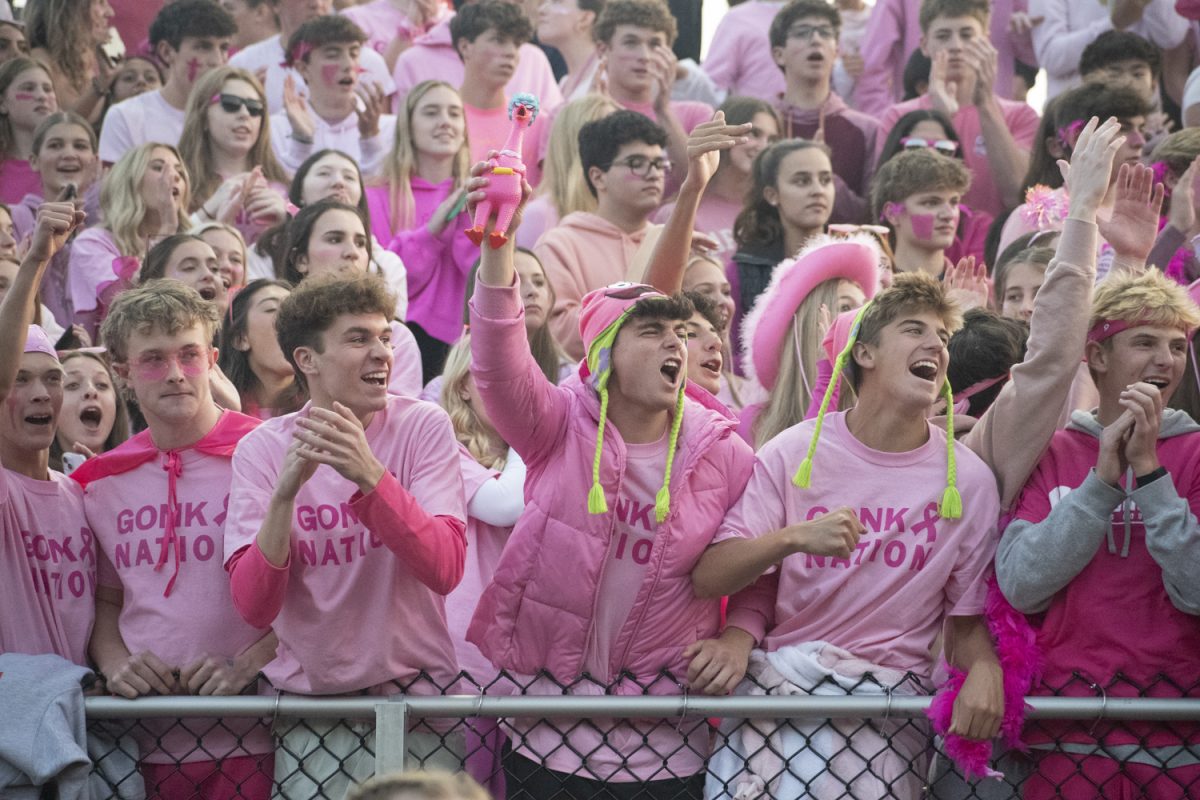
887,602
371,570
90,272
894,32
47,567
1021,120
342,135
739,55
17,179
583,252
130,514
1071,25
432,57
1012,434
437,265
382,21
146,117
537,615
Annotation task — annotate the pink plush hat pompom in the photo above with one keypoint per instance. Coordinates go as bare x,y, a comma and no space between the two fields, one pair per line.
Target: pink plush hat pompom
1044,207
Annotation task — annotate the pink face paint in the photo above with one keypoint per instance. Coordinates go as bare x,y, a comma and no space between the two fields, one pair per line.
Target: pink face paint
193,69
23,96
329,73
922,225
359,70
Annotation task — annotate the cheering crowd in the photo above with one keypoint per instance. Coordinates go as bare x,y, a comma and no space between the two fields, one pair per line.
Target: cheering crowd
827,361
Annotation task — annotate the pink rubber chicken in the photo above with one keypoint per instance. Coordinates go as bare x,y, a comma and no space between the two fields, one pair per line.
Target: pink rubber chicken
505,173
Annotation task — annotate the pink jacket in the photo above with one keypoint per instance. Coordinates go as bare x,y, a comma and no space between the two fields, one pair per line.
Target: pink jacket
894,32
432,57
536,614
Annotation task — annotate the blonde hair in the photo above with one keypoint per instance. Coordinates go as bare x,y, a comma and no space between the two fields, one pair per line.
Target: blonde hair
419,786
802,348
484,445
562,179
166,305
232,231
195,147
1151,299
121,198
401,163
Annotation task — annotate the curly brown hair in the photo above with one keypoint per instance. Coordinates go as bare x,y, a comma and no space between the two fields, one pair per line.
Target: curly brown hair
916,171
312,308
652,14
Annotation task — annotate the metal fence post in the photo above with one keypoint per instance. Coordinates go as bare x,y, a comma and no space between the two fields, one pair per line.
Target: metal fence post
391,730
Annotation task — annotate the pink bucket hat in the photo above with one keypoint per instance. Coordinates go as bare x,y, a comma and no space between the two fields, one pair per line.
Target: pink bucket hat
767,325
37,341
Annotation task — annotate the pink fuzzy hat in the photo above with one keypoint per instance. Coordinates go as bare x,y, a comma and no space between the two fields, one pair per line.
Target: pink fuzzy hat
36,341
767,325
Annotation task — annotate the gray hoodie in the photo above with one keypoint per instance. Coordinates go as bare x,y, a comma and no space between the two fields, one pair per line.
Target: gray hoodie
1035,560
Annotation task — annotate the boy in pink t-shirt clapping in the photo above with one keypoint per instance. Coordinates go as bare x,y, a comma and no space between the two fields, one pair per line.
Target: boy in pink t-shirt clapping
165,621
346,532
881,540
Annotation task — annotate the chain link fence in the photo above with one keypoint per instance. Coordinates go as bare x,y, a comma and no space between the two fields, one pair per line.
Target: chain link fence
533,738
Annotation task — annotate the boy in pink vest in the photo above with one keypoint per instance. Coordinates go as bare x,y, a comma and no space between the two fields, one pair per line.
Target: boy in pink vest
870,546
627,482
346,532
996,133
165,621
190,38
47,560
1104,554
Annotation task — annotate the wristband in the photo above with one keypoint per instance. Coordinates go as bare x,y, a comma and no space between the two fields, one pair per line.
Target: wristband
1150,477
300,139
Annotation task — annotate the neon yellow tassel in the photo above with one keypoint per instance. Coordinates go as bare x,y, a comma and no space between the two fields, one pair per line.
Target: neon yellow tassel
951,505
662,504
804,474
596,502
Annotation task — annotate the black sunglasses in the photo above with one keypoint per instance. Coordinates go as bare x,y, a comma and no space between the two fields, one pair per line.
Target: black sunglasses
230,103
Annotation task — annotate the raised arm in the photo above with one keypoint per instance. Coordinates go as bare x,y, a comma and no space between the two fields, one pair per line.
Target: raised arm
55,222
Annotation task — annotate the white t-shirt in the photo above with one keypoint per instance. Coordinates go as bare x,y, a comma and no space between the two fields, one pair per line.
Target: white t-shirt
146,117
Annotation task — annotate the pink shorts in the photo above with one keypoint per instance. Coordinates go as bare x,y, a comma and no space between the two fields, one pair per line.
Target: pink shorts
245,778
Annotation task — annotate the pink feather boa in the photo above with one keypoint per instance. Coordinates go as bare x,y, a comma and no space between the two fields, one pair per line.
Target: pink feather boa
1017,650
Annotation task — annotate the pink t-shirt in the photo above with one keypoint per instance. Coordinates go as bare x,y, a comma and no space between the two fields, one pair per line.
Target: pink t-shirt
488,129
887,602
91,267
484,543
354,616
628,549
1021,120
47,567
128,512
146,117
17,179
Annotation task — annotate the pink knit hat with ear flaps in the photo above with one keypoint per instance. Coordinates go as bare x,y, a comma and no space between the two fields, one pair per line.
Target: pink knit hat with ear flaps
826,258
37,341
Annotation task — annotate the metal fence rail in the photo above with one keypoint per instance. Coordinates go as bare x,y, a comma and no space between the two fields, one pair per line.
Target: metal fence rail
496,739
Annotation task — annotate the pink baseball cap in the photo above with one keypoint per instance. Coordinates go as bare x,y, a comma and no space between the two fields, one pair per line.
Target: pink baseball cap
767,325
37,341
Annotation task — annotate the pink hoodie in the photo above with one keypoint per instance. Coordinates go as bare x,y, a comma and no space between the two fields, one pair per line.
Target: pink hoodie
583,252
894,32
739,56
536,615
437,265
432,57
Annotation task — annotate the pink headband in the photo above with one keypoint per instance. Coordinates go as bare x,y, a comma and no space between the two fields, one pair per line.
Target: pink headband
1106,329
976,388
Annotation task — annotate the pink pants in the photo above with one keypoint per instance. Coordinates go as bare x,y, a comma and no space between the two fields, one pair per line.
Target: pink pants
1072,776
245,778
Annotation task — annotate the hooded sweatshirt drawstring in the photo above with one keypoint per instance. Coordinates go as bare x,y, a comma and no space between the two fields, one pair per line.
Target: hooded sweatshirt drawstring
174,468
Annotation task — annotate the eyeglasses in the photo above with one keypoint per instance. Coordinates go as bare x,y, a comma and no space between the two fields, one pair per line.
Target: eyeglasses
807,32
192,363
231,103
947,147
641,165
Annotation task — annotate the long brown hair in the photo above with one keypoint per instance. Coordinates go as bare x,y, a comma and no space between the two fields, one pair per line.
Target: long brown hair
759,222
195,147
